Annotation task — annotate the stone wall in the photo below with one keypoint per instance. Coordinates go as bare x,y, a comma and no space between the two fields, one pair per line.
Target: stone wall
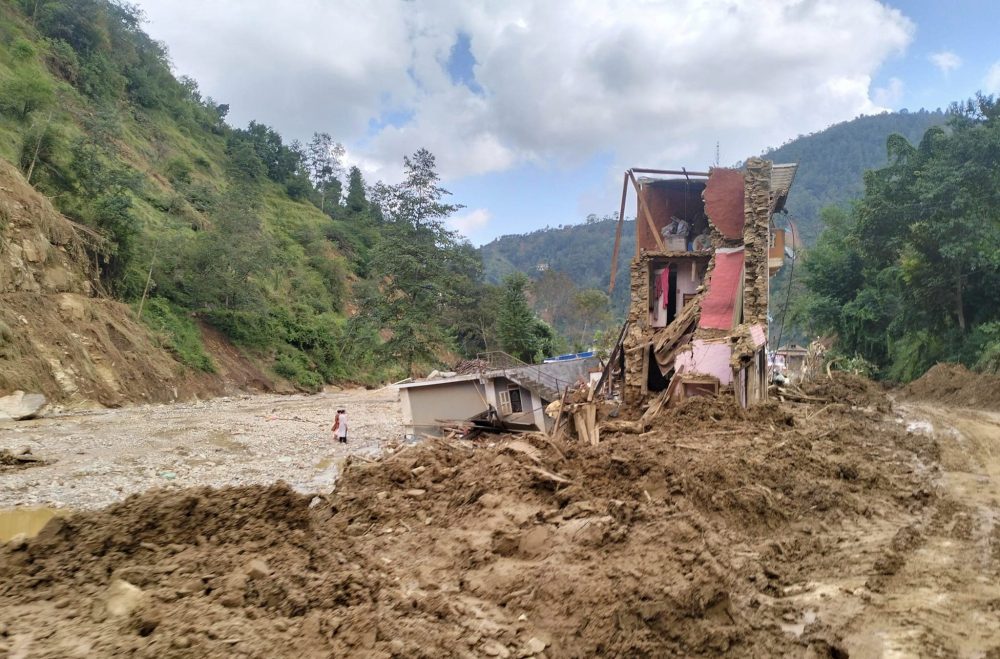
756,234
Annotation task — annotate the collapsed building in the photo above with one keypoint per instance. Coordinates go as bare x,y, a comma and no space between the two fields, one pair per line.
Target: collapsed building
706,246
495,393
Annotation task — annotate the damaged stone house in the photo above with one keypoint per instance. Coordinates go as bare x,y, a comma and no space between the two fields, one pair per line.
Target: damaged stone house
706,246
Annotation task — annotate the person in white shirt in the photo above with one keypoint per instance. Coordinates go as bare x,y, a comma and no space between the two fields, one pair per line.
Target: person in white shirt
340,426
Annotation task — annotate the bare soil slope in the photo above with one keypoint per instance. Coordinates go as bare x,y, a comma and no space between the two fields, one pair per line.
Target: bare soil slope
57,337
714,534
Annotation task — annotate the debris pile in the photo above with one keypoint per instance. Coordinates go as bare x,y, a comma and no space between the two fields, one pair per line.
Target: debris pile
678,541
954,384
18,459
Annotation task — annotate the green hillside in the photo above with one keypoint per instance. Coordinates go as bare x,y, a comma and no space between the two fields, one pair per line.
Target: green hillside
302,264
832,162
580,251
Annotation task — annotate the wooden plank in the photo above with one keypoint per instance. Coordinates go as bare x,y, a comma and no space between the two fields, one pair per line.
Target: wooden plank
618,235
609,367
645,369
645,214
592,429
562,411
581,426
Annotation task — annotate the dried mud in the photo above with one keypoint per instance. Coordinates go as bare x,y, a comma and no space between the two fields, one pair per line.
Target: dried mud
687,540
956,385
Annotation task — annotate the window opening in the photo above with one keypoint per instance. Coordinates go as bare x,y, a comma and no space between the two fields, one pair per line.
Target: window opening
514,395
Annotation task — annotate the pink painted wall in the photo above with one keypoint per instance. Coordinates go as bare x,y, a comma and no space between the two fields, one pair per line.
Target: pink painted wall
706,358
759,335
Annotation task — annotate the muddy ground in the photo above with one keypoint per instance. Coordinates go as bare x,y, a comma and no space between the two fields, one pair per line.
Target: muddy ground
824,529
97,458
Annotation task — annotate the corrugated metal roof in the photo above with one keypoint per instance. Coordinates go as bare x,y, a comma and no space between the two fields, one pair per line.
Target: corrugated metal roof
781,182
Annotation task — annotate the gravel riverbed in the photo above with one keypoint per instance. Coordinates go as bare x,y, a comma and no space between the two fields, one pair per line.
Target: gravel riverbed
99,457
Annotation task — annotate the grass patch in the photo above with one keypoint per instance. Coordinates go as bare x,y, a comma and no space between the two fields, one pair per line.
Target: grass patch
176,332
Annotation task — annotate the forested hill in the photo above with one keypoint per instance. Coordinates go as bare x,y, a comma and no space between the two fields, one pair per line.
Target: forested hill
580,251
832,161
831,164
310,270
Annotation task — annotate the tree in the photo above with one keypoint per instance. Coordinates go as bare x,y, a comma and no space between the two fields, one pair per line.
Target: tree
417,262
279,160
323,161
911,276
516,323
357,202
553,293
25,93
592,309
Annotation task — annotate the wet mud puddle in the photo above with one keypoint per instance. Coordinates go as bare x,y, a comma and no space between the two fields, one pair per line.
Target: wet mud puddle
27,521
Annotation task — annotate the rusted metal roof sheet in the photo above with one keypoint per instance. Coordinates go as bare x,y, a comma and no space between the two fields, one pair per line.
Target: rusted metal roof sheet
718,310
781,182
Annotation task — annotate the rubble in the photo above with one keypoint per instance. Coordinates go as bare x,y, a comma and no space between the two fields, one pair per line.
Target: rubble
675,541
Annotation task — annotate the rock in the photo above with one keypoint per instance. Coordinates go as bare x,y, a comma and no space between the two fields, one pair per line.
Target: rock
71,307
415,493
18,542
169,475
257,569
122,598
20,405
490,500
495,649
181,642
534,646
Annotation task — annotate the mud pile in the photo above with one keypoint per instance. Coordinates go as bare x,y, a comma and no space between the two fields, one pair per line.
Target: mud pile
954,384
841,387
680,541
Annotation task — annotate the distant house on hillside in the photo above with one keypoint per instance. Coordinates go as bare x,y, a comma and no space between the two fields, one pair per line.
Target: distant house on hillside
504,393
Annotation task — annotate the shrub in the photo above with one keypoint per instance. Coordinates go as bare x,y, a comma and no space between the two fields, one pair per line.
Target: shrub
177,333
22,49
296,367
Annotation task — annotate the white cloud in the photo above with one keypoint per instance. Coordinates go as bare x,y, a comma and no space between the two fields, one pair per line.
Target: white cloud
652,82
991,83
889,95
468,224
946,61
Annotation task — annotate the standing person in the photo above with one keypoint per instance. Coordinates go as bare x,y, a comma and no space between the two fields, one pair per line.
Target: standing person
340,426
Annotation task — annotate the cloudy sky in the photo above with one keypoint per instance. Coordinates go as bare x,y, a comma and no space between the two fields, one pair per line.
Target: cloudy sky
533,108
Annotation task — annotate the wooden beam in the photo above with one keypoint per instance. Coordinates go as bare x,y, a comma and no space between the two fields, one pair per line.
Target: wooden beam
562,410
618,235
682,172
645,214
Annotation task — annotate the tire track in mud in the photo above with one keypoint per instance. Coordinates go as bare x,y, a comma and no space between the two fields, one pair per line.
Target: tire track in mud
943,599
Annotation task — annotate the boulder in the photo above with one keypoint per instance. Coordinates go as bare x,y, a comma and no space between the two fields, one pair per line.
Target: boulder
20,405
122,598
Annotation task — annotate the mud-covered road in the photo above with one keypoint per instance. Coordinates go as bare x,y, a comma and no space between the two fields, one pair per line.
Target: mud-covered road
97,458
944,598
